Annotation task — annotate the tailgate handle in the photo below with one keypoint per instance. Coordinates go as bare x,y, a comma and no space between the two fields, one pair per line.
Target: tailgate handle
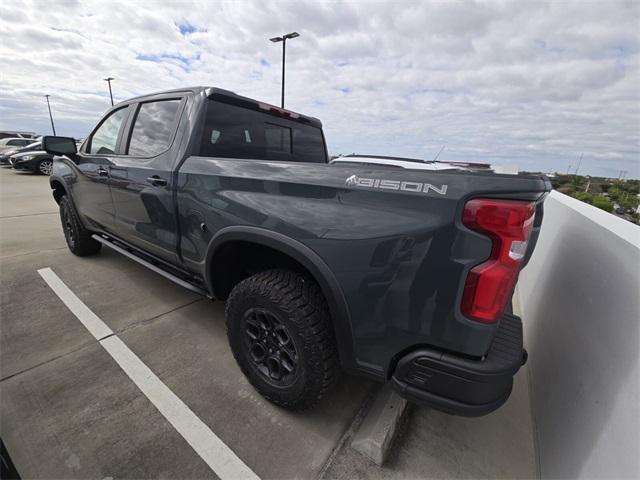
157,181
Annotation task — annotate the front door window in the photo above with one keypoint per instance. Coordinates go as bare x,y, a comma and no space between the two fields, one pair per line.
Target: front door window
105,138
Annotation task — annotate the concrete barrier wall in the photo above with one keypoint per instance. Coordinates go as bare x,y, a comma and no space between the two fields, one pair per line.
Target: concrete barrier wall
579,298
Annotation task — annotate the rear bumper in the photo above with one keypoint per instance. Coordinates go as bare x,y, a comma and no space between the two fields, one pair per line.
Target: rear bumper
460,385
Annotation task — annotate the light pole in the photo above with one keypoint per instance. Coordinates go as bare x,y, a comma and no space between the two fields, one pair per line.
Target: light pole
579,163
108,80
50,116
284,39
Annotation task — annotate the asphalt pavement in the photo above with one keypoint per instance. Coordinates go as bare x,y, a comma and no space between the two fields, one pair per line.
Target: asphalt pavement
69,411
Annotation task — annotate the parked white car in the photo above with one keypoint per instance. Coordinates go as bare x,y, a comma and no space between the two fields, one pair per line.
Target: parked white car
16,134
14,143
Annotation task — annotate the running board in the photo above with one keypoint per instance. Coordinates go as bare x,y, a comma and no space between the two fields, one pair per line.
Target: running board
151,266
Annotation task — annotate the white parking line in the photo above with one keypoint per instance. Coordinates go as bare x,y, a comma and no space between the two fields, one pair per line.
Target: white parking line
207,444
90,320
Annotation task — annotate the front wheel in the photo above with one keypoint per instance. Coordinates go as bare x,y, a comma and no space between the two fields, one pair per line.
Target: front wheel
44,167
280,332
78,238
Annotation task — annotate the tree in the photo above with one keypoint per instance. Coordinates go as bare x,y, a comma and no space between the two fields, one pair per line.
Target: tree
614,193
603,203
629,202
584,197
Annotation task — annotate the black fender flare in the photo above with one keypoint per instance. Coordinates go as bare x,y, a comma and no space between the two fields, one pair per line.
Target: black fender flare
53,179
312,262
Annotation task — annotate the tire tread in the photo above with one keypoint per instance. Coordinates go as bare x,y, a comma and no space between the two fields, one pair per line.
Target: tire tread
84,244
301,299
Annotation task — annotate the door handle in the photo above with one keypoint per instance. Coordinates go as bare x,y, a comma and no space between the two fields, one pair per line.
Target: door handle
157,181
103,172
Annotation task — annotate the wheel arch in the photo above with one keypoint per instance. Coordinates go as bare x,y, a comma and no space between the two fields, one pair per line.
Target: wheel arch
58,187
302,255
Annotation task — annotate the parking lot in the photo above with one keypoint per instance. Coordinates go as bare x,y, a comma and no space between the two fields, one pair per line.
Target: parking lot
69,410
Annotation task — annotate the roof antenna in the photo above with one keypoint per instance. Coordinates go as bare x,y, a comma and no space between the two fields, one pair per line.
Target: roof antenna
438,154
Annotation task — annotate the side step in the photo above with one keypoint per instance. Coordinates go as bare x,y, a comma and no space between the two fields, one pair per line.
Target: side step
151,266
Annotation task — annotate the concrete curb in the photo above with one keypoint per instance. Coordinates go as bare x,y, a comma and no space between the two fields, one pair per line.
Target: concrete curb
375,435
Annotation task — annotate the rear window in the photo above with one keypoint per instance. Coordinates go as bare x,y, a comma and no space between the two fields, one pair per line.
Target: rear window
231,131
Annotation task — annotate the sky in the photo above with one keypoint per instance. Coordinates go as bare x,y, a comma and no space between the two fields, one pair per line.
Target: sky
526,83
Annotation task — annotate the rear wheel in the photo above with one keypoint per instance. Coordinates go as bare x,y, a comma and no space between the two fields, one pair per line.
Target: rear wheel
280,333
78,238
45,167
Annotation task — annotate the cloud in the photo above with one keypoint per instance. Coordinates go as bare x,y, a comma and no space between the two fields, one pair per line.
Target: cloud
528,83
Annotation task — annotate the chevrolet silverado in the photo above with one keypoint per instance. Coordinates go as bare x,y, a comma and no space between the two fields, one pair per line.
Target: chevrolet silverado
396,274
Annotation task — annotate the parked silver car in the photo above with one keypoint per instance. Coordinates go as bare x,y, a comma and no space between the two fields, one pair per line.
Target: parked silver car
14,143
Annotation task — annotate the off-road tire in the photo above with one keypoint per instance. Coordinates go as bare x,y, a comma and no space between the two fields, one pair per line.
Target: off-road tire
297,302
78,238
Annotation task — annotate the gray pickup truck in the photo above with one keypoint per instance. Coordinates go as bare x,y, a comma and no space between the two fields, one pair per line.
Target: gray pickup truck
397,274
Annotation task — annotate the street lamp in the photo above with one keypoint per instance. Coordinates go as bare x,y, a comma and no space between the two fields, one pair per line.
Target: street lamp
284,39
50,116
108,80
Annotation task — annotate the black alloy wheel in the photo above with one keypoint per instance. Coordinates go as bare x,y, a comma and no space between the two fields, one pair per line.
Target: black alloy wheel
270,347
77,236
280,332
67,225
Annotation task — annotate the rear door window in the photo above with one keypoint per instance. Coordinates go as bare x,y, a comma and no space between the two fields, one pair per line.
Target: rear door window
232,131
154,128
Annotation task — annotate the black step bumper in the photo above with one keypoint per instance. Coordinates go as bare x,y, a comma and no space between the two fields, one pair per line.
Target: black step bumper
460,385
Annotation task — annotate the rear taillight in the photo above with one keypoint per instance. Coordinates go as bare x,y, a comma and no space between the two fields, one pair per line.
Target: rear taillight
508,223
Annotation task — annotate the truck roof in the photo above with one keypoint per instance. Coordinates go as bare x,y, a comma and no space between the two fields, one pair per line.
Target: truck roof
209,91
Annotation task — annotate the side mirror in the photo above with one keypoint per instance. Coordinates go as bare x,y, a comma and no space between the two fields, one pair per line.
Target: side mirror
59,145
